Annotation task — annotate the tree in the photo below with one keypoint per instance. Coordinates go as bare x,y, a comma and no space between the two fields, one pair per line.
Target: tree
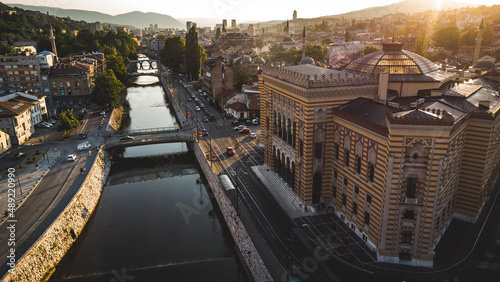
241,77
326,41
217,33
107,89
447,37
317,52
117,65
421,44
68,120
348,36
367,50
172,55
260,43
193,55
6,49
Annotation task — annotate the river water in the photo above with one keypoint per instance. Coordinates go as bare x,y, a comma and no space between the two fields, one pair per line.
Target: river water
155,220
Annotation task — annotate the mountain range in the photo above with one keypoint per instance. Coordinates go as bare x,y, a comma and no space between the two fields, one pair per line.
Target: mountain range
135,19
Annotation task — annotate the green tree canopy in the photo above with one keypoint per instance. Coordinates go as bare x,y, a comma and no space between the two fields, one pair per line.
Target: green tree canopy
68,120
326,41
260,43
172,55
6,49
421,44
447,37
241,77
117,65
348,36
107,89
193,54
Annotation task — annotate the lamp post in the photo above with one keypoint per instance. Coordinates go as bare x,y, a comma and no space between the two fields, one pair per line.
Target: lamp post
19,183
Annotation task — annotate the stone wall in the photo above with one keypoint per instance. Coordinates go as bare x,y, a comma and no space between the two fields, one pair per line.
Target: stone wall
242,239
51,247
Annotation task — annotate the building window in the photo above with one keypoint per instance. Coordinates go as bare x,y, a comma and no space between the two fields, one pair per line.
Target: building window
354,209
356,190
335,175
368,199
406,238
358,164
367,218
344,199
317,150
346,182
301,147
408,215
336,151
371,172
346,153
411,187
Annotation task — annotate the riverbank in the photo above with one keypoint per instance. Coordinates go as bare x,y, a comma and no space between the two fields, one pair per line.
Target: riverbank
39,261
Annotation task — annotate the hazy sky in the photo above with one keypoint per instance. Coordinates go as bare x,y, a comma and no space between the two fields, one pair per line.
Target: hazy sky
238,9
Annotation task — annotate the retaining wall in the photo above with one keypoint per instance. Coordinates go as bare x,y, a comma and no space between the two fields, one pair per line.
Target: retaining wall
51,247
245,245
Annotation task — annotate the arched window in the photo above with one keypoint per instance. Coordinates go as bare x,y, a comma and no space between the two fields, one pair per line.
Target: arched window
371,172
358,164
346,153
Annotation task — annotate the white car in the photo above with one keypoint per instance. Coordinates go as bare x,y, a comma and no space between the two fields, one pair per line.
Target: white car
71,157
197,108
84,146
253,135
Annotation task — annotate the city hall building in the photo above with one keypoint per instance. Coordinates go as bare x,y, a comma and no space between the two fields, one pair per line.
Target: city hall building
393,144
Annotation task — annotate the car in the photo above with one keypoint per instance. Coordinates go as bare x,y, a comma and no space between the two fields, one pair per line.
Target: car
235,123
253,135
199,90
82,135
42,125
17,156
103,113
84,146
239,127
205,119
202,105
196,99
255,121
193,96
230,151
51,121
48,123
56,117
245,130
212,118
197,108
127,138
189,99
71,157
204,132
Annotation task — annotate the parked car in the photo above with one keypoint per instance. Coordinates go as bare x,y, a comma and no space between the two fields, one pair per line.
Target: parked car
84,146
71,158
189,99
103,113
205,119
212,118
255,121
127,138
193,96
248,122
82,135
42,125
197,108
230,151
239,127
17,156
204,132
245,130
253,135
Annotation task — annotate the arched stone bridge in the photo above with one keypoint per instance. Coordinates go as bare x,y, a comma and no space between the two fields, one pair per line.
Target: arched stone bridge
152,64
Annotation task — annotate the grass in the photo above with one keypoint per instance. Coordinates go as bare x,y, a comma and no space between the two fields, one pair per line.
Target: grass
28,162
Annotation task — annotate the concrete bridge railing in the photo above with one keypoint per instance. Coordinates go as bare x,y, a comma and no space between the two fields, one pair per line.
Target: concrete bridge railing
152,140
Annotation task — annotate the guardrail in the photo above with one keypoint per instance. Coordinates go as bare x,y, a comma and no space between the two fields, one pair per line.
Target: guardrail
153,140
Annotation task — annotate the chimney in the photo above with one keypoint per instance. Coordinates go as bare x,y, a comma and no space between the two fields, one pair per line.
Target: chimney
383,83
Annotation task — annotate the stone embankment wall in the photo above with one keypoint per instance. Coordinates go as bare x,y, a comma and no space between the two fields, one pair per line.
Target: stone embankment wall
238,231
51,247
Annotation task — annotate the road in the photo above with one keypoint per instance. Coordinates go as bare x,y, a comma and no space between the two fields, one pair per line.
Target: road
51,195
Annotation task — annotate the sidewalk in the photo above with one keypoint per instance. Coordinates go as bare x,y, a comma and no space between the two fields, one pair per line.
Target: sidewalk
27,180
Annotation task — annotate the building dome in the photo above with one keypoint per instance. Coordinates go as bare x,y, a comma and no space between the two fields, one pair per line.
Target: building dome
394,60
485,65
288,39
307,61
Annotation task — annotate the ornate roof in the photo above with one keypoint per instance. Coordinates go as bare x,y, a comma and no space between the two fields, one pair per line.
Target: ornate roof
394,60
307,61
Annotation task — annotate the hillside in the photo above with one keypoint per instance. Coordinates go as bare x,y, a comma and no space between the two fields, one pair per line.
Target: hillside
137,19
405,7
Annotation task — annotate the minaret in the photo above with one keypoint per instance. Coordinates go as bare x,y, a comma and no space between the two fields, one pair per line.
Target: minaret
479,38
53,43
287,28
304,43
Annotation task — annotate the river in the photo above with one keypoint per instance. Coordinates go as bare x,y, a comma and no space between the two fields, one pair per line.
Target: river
155,220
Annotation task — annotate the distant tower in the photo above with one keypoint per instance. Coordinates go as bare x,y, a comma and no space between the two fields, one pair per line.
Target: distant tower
294,15
479,38
189,24
287,28
53,43
224,24
304,43
233,23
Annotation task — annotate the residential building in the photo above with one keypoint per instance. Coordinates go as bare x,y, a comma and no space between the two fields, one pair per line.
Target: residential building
19,112
4,141
19,73
391,144
218,80
71,84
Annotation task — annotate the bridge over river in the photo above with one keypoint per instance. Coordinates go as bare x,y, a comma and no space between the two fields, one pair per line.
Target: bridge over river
151,136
